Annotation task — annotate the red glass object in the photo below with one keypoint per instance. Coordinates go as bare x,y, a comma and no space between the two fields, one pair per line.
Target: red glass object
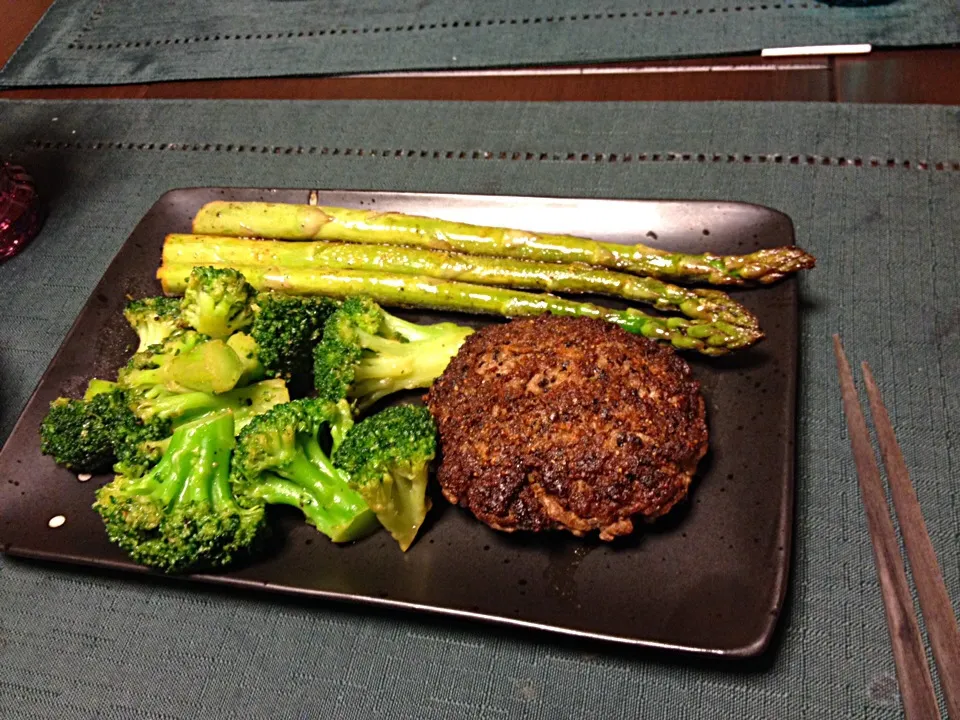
20,216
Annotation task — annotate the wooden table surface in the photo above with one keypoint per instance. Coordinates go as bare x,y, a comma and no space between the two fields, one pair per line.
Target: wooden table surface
897,76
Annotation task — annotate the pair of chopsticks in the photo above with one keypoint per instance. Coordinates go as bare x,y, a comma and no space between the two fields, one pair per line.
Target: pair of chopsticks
913,672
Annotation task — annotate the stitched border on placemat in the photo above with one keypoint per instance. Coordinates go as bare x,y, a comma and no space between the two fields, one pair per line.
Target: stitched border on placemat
77,43
941,165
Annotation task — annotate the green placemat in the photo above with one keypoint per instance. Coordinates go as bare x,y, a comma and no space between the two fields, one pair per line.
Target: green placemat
93,42
873,192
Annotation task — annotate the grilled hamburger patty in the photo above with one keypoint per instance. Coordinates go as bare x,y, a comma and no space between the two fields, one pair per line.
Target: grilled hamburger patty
566,423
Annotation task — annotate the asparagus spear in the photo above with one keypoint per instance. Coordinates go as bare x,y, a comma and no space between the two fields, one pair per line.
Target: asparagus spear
709,338
307,222
698,304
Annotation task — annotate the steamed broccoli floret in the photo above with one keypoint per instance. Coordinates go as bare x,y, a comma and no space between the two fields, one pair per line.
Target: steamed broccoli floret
81,434
185,361
245,402
189,375
141,447
387,457
182,514
285,328
216,301
87,435
148,367
153,319
367,353
280,460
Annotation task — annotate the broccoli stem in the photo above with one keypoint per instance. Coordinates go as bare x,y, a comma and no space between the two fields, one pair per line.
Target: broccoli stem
99,387
166,481
323,496
185,405
323,485
221,492
318,458
396,366
335,513
212,367
405,504
412,332
341,425
277,491
379,376
210,463
146,377
244,402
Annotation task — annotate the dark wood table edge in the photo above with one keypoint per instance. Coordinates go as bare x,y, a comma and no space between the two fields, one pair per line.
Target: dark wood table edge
930,76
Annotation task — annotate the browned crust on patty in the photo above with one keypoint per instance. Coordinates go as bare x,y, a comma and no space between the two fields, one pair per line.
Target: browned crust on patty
568,423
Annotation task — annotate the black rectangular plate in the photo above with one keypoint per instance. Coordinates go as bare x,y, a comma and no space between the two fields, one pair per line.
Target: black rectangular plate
708,578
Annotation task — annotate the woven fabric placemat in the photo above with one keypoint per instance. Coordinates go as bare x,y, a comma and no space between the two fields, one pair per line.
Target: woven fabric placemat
95,42
873,193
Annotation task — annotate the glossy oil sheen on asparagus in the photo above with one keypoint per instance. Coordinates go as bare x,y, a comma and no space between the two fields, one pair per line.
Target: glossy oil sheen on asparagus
697,304
709,338
307,222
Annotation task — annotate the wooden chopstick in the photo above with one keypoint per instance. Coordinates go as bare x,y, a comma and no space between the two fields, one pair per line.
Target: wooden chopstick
931,590
913,673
